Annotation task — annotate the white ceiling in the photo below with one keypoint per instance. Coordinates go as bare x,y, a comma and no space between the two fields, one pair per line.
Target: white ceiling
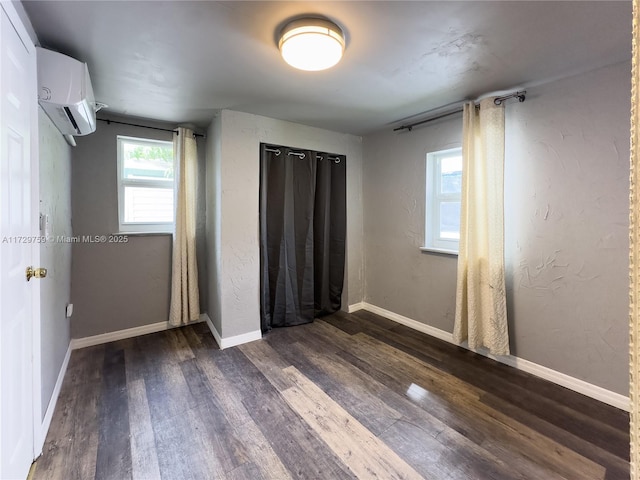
180,61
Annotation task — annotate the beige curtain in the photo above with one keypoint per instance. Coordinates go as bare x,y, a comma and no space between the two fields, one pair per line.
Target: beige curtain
634,241
184,271
481,313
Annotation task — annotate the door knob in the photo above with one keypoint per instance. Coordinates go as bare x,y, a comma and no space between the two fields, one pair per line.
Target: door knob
37,273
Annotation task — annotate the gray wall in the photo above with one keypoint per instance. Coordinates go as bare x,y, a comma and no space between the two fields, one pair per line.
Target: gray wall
214,194
55,289
567,220
398,276
116,286
566,223
233,226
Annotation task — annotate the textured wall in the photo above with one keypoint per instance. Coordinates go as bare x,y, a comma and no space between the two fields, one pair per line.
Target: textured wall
566,219
214,195
240,135
120,285
55,289
398,276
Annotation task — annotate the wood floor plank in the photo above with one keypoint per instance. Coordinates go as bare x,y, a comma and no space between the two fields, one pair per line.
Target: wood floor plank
202,448
87,421
474,458
352,395
364,454
193,335
506,434
210,420
456,409
76,428
447,455
51,465
179,344
247,471
579,423
70,448
167,391
511,384
461,425
144,458
443,442
269,362
582,424
300,450
261,452
615,465
184,451
368,409
227,396
114,448
85,365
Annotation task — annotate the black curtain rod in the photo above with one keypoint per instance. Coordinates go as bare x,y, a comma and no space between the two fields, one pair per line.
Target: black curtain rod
521,95
145,126
431,119
276,150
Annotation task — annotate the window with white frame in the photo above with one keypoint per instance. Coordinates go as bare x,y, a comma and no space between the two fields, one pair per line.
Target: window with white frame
443,192
145,185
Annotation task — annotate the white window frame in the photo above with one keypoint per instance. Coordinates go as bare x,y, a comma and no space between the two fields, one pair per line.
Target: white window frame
133,227
433,242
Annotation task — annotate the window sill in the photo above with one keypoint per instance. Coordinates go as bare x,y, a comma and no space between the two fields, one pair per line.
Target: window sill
442,251
143,234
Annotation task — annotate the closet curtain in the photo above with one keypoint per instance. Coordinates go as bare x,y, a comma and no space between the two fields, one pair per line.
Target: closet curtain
185,302
481,313
302,234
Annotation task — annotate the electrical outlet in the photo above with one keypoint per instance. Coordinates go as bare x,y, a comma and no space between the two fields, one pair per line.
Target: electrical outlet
69,310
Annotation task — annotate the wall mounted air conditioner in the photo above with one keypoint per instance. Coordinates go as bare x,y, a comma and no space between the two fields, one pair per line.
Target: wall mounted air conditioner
65,92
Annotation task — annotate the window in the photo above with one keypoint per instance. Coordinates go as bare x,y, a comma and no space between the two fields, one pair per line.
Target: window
145,185
442,212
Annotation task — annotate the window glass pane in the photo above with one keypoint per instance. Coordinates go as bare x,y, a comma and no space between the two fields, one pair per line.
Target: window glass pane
451,175
148,162
450,220
153,205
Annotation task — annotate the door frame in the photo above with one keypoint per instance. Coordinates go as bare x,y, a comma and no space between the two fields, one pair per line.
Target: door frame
20,22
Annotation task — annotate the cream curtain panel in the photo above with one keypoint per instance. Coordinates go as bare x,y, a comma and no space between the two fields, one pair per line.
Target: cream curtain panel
184,271
481,313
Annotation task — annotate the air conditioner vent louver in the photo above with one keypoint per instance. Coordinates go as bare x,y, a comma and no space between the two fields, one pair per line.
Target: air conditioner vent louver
71,119
65,93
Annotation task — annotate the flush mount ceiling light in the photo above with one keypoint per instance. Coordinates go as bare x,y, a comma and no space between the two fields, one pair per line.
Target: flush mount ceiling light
311,44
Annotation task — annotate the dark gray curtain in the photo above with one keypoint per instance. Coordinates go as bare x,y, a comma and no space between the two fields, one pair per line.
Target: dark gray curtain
302,234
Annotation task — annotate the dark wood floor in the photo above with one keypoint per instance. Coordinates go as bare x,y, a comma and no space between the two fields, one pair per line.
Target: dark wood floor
350,396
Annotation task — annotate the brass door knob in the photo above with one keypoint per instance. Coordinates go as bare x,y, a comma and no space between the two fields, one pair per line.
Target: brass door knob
37,273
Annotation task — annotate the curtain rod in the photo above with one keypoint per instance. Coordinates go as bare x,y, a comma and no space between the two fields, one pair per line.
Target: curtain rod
145,126
335,158
521,95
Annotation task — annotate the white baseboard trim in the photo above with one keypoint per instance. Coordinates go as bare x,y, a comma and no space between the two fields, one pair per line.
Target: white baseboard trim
214,331
232,341
77,343
48,416
223,343
240,339
409,322
598,393
355,307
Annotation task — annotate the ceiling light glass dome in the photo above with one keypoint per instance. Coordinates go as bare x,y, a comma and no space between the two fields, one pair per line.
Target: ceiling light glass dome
311,44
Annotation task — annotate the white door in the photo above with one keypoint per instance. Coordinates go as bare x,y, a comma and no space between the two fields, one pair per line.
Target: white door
18,225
